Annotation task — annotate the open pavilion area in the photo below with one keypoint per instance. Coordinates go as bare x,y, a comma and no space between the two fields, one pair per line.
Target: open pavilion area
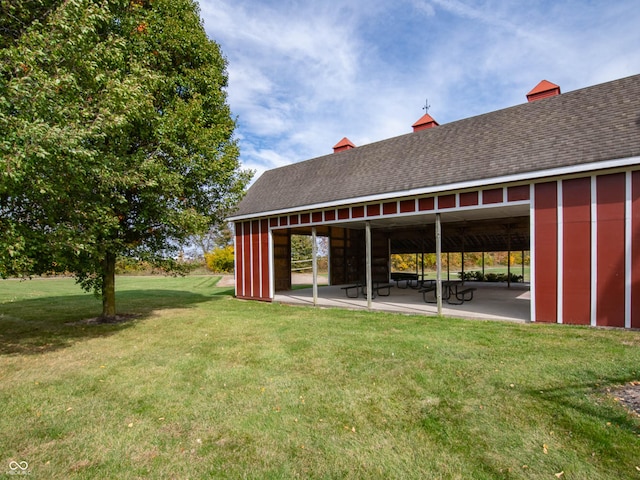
558,177
491,301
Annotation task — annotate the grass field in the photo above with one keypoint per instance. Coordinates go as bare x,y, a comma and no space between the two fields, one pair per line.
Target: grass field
500,269
200,385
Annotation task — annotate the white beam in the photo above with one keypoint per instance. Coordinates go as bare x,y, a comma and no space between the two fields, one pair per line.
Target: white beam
438,264
314,265
368,267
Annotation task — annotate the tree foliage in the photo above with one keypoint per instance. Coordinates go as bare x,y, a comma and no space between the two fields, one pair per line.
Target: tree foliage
218,236
221,259
301,248
115,136
409,262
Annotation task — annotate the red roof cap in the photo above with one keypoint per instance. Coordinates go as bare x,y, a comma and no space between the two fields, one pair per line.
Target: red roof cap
426,121
344,144
543,90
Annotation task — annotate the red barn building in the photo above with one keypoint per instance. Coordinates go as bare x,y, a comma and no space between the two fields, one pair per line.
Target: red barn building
558,176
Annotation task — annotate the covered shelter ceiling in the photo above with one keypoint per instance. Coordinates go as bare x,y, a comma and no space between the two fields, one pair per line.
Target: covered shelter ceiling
480,230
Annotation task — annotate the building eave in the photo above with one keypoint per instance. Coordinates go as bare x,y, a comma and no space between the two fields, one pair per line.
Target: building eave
520,177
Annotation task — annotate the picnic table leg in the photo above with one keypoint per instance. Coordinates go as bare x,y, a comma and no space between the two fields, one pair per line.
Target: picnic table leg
364,292
354,287
451,293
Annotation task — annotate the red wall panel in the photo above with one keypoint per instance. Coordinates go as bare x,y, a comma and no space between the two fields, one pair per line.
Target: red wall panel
611,249
521,192
576,262
425,204
246,252
357,212
407,206
255,259
546,252
239,260
493,195
635,250
447,201
373,210
264,257
252,260
468,199
389,208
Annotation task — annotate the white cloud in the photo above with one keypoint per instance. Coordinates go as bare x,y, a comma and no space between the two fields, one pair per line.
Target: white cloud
287,68
303,75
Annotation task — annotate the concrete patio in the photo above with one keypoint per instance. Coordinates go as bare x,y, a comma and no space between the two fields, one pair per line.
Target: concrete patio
491,301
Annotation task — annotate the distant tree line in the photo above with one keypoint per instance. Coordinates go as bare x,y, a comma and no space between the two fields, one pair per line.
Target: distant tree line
410,262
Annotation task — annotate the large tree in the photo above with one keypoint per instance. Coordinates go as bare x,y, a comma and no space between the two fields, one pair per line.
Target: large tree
115,136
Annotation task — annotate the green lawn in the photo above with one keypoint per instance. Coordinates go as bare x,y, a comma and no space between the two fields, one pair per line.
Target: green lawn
200,385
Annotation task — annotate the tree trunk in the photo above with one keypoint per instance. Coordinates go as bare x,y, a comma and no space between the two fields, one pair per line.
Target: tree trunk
109,286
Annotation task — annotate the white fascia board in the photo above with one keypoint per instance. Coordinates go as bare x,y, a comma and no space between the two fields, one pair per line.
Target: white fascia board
527,176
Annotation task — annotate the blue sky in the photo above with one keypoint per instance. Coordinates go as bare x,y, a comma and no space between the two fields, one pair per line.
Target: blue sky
304,74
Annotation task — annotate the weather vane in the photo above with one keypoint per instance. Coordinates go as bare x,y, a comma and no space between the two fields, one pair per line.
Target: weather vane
426,106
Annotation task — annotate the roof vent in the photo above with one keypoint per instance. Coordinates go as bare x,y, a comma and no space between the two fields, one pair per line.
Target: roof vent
342,145
543,90
426,121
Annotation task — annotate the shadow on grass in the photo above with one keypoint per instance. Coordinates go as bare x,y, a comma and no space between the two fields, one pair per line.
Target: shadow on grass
583,412
589,401
45,324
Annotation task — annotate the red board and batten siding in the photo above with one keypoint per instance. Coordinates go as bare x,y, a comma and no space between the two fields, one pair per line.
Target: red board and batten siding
264,259
246,253
239,256
635,250
576,262
610,268
252,260
545,237
584,255
255,259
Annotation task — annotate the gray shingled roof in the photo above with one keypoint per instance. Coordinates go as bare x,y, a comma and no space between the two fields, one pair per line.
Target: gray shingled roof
588,125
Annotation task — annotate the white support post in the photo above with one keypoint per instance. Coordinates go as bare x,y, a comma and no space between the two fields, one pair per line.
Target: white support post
628,241
560,288
368,265
532,252
235,257
438,264
271,266
594,251
314,265
508,255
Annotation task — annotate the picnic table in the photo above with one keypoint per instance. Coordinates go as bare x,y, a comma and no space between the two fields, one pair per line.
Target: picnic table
382,289
405,277
413,280
451,293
